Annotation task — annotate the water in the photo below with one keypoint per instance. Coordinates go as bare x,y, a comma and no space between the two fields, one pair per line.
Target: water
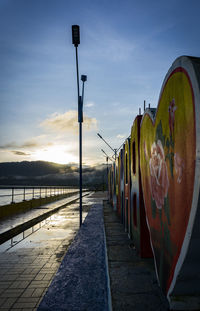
19,195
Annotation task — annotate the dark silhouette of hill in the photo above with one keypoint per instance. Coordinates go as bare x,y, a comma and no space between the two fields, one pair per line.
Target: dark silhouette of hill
49,173
25,168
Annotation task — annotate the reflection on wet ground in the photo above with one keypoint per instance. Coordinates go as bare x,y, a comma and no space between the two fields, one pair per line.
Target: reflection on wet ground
28,266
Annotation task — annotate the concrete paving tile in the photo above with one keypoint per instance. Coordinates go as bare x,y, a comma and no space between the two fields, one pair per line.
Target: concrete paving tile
39,277
19,284
29,299
3,271
18,270
25,305
121,253
48,265
36,270
38,284
46,271
27,271
2,290
48,276
10,293
28,292
38,292
147,302
8,303
2,300
55,265
9,277
5,284
26,277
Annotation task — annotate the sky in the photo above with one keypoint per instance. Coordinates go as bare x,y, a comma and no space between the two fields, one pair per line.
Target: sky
126,49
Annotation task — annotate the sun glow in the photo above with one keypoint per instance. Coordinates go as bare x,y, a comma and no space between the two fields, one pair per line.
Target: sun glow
57,154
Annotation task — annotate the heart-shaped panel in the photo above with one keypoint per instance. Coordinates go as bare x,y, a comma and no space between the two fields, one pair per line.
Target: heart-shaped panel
169,149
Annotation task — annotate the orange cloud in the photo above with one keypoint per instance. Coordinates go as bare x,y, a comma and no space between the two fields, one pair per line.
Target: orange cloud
68,121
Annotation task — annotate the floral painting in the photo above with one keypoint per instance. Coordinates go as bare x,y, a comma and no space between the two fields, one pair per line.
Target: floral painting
159,181
167,155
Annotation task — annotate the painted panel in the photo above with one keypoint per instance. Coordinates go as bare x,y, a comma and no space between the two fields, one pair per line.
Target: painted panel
170,168
127,185
139,229
118,192
121,156
109,186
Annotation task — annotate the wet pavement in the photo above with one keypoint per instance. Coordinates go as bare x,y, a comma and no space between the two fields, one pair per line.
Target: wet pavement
27,268
95,268
16,224
81,283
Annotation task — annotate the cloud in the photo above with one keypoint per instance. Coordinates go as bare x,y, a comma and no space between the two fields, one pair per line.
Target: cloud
28,144
68,121
8,146
20,153
33,143
90,104
120,136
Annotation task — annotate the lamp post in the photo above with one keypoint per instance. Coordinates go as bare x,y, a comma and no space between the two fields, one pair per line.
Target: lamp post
114,150
107,157
76,42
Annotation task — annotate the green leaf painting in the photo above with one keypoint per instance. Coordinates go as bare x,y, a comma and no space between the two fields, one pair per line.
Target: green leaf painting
159,134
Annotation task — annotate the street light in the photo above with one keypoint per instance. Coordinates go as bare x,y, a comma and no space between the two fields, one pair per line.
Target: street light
107,157
75,35
76,42
114,150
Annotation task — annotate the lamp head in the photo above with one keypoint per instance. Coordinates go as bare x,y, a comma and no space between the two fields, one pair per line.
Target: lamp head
83,78
75,35
99,135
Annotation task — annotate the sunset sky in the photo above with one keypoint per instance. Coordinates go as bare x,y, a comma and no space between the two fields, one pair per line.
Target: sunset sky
126,49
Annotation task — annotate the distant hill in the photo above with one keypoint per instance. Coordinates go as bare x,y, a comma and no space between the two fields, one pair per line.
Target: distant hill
49,173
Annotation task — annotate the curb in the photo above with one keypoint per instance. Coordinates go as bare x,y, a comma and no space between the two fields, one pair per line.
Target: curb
107,269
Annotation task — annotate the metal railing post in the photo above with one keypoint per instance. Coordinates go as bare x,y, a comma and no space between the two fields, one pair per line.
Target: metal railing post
24,193
12,196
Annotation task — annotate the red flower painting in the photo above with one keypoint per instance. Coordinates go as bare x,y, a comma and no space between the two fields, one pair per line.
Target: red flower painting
159,181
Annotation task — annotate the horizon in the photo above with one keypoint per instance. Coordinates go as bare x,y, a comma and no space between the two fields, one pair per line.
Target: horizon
126,49
61,164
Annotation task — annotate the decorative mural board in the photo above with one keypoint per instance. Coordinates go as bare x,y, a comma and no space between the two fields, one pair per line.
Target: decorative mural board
118,167
127,181
121,155
139,230
170,169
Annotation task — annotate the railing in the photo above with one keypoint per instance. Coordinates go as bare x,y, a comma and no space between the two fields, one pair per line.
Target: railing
9,195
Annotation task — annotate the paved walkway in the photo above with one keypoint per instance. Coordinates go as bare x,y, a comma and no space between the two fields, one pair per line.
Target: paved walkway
27,268
133,281
81,282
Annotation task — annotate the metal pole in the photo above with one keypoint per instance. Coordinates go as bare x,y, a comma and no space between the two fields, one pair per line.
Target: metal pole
77,72
80,168
12,195
107,165
80,142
